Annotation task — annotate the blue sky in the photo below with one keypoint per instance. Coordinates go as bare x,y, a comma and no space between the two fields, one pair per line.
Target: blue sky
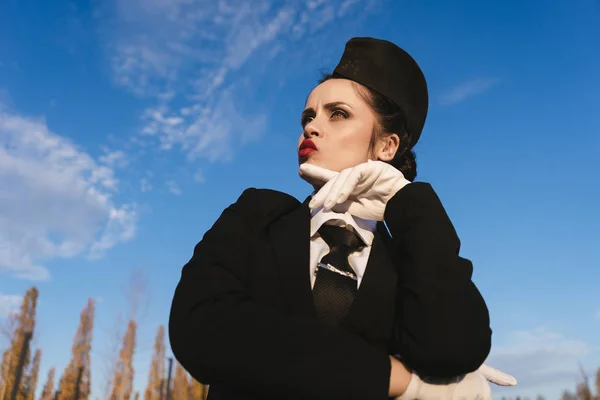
127,126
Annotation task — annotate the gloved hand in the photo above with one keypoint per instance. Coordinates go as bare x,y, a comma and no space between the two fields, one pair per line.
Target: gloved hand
472,386
363,191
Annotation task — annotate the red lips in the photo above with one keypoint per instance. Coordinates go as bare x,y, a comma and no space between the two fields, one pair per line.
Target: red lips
307,147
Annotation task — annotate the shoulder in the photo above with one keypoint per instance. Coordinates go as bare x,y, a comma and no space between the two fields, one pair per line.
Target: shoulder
413,194
262,206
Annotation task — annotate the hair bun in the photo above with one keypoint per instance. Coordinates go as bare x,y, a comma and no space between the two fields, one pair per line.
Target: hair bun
407,164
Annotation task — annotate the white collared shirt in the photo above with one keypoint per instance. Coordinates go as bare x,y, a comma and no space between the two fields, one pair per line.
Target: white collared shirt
318,248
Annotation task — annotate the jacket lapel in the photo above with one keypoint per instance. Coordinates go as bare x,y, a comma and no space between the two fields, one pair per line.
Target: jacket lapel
371,315
372,312
291,246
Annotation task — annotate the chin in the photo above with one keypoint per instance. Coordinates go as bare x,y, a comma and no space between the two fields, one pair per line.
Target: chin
307,160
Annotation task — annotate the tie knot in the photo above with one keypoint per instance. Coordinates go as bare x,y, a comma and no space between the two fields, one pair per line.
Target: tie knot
336,237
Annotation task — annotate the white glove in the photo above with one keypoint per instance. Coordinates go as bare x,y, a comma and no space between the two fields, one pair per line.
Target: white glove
473,386
362,191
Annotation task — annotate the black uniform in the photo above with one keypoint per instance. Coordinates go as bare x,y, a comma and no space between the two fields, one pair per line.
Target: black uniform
243,320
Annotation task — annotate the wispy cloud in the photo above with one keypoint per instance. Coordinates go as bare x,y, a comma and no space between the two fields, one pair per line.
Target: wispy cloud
213,131
156,45
199,178
9,303
540,358
173,188
145,185
466,90
56,201
113,158
185,55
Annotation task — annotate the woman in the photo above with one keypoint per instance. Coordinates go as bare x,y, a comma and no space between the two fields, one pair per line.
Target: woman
290,300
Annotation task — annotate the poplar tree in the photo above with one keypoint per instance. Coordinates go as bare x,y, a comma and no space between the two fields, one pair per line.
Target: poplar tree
76,380
123,379
197,390
13,356
157,367
30,381
48,391
181,384
598,384
583,391
566,395
119,371
4,367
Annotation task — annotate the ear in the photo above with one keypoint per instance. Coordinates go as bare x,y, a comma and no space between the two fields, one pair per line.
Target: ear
387,147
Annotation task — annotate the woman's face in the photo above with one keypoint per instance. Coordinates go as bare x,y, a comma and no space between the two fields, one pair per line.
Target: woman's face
338,126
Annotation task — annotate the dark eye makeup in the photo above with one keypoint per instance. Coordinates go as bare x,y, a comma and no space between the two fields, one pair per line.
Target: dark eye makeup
309,114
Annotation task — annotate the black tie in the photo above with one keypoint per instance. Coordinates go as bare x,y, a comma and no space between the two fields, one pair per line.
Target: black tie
336,284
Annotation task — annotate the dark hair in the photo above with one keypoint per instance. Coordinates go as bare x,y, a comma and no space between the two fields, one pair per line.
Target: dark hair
390,119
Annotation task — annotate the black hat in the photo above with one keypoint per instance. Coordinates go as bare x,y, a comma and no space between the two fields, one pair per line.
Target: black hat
386,68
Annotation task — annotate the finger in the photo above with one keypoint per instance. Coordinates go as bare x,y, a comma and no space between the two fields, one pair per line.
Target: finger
317,172
319,197
350,183
496,376
338,184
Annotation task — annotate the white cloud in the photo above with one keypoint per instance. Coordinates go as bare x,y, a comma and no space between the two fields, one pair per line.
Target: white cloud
9,303
119,227
155,40
56,201
184,53
114,158
213,132
145,185
199,178
173,188
345,6
539,359
468,89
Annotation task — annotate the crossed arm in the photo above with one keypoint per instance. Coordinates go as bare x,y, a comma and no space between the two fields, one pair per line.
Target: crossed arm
221,336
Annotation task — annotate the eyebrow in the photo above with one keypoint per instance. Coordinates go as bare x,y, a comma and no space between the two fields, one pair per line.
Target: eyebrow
328,106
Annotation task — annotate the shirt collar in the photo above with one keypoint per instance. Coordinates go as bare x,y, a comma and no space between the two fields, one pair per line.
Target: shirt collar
363,228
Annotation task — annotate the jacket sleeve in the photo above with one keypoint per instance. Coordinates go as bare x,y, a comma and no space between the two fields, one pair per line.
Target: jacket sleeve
221,336
443,326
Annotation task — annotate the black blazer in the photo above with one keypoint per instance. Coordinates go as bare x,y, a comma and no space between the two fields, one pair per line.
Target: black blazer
243,321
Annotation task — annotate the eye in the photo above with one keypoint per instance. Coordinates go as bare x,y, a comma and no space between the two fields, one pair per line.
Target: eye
306,119
339,113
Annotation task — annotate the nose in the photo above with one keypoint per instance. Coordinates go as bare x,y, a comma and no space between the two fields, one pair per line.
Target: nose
310,130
